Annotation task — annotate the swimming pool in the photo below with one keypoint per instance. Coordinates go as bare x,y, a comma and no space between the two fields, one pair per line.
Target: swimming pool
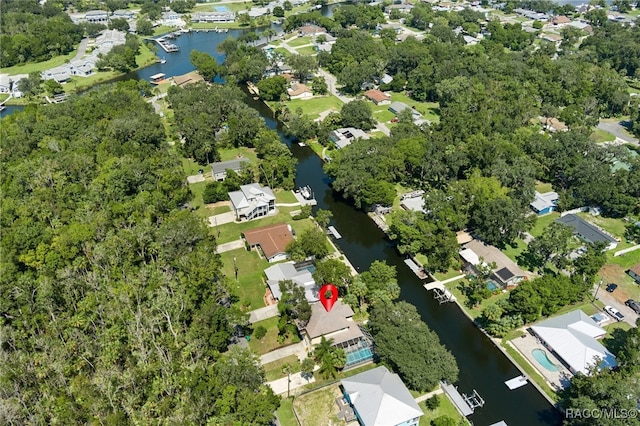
543,359
221,9
492,286
359,355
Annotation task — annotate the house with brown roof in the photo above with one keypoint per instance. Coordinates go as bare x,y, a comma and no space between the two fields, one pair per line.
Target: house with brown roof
560,20
186,79
272,240
553,124
377,97
634,272
312,30
300,91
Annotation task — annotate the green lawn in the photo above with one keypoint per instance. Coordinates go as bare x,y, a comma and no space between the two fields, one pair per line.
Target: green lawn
514,251
314,106
542,222
600,135
475,312
543,187
283,51
211,7
307,50
270,341
445,408
162,29
613,226
383,115
429,110
300,41
249,287
190,167
283,196
273,370
318,408
233,153
232,231
285,413
441,276
39,66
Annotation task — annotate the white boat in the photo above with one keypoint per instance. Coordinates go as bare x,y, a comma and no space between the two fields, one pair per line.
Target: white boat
516,382
305,191
163,61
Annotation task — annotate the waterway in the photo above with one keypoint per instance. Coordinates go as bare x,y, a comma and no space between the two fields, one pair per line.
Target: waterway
482,366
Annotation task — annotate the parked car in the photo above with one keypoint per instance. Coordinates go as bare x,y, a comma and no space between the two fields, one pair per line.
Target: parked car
612,287
616,314
635,306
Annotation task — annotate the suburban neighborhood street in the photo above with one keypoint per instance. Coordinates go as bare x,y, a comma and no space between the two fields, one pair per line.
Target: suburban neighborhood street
618,130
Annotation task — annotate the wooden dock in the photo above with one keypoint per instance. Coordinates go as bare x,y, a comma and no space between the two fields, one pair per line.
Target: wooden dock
418,270
333,231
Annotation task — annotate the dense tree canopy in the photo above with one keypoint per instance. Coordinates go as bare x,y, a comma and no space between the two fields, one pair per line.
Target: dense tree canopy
409,347
111,291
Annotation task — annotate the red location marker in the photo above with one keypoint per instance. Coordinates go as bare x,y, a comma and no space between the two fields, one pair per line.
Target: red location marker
328,296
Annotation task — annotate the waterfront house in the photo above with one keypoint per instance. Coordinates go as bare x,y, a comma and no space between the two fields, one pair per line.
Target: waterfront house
123,14
379,397
299,274
344,136
217,17
220,169
560,20
81,68
299,91
171,18
272,240
572,337
60,74
634,272
311,30
544,203
587,231
413,201
506,273
377,97
252,201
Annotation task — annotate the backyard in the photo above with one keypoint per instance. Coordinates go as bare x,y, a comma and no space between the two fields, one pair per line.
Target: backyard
444,408
273,370
314,106
249,286
318,408
270,341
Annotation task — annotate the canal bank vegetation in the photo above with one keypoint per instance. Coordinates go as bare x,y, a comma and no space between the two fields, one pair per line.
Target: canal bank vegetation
115,264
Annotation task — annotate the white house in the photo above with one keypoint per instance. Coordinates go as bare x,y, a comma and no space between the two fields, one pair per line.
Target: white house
220,169
252,201
379,397
5,83
573,338
301,276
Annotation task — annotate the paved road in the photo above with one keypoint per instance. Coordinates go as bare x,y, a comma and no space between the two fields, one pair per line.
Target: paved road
618,130
82,49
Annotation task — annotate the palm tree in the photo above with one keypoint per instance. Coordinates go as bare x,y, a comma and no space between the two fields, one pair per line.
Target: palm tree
323,349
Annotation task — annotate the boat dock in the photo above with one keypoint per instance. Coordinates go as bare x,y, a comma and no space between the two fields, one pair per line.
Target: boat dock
418,270
157,78
516,382
460,403
333,231
166,46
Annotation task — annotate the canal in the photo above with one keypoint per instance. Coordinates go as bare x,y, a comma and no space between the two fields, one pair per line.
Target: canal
482,366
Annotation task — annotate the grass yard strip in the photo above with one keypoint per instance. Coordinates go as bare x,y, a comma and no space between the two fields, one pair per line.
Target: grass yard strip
600,135
542,222
39,66
285,413
314,106
283,196
307,50
233,231
543,187
249,286
300,41
429,110
452,272
445,408
531,373
234,153
270,341
273,370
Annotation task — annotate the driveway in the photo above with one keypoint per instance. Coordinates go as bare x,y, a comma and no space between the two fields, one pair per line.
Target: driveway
610,299
233,245
618,130
298,349
222,218
263,313
279,386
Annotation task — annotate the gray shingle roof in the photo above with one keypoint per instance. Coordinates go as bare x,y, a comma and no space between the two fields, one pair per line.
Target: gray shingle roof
234,165
584,229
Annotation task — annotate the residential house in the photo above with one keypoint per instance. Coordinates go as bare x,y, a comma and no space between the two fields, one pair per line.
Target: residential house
398,107
344,136
97,16
256,12
220,169
377,97
505,272
470,40
60,74
81,68
213,17
553,124
560,20
311,30
413,201
402,8
171,18
581,25
572,337
5,83
587,231
299,91
634,272
379,397
544,203
123,14
337,324
252,201
185,80
272,240
299,274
